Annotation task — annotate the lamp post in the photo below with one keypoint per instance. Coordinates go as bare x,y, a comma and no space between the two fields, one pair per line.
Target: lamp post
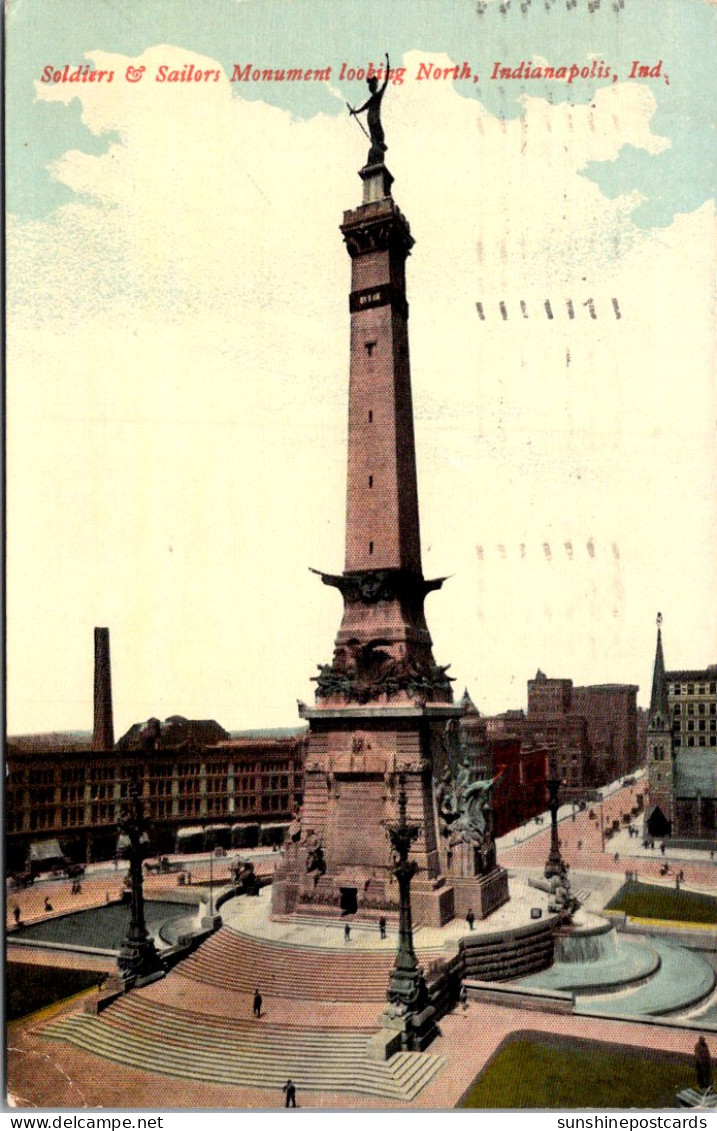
406,976
408,1009
210,845
138,957
210,918
555,865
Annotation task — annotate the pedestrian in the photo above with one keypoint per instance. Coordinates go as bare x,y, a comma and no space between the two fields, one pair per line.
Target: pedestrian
48,905
617,857
382,926
463,997
662,848
107,897
470,917
347,932
257,1003
580,844
289,1091
16,912
703,1065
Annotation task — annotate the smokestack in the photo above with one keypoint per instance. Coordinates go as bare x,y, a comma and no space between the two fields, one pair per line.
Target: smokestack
103,737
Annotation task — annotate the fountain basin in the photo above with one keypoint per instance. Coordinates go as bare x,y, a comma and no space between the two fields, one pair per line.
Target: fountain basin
100,928
615,976
599,963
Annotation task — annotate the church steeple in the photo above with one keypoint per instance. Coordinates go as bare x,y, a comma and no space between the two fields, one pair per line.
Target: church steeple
659,712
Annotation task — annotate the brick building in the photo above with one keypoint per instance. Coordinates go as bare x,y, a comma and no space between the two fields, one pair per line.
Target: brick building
521,768
591,730
76,795
191,772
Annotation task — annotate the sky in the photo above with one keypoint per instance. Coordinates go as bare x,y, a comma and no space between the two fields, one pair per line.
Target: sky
178,333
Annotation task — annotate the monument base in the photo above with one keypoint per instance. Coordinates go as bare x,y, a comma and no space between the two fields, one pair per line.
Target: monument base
432,901
480,894
118,984
384,1044
405,1030
433,904
694,1098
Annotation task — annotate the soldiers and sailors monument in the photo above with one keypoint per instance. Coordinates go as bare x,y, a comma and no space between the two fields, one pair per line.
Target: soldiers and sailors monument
384,708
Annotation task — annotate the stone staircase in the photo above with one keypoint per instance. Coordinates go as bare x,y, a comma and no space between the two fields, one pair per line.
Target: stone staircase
171,1041
240,963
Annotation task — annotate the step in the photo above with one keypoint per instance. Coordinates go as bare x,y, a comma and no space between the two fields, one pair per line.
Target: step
312,1063
185,1035
268,1072
159,1009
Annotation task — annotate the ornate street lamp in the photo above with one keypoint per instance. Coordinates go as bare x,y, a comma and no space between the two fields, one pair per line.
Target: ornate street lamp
555,865
210,918
138,957
409,1010
407,982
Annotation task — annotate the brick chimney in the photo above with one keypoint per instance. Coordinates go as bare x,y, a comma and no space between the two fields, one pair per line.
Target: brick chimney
103,737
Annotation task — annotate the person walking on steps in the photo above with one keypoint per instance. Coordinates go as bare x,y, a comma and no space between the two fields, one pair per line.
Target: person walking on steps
257,1004
289,1091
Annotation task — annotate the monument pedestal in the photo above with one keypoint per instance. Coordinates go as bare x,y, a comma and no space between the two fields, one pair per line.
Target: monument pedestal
480,894
695,1098
337,858
433,903
115,986
401,1031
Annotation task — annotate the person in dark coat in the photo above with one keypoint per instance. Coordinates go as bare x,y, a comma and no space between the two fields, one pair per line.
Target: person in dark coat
703,1065
382,926
257,1004
289,1091
470,918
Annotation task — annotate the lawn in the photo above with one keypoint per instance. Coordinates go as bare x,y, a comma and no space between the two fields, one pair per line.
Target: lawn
537,1070
647,901
29,987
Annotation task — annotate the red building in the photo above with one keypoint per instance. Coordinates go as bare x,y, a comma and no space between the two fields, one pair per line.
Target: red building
592,731
519,764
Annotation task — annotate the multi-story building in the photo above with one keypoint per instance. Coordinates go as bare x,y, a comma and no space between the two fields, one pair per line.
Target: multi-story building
71,789
682,752
590,731
76,795
610,713
519,765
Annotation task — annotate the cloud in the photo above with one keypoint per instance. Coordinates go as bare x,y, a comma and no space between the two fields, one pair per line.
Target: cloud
178,359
